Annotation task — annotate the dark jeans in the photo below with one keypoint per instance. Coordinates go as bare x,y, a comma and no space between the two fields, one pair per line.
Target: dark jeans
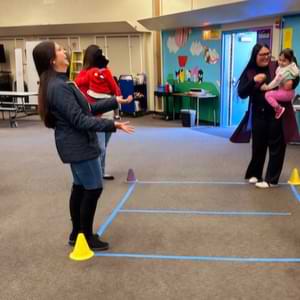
87,173
267,134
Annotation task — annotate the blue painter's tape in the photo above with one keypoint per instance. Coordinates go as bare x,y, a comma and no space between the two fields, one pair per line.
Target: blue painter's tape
295,192
193,212
201,258
200,182
194,182
114,213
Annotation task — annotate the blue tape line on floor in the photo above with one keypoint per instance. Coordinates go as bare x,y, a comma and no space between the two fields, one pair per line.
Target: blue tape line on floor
295,192
114,213
201,258
199,182
225,213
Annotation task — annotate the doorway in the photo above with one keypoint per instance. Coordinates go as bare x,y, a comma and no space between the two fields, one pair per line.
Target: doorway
236,49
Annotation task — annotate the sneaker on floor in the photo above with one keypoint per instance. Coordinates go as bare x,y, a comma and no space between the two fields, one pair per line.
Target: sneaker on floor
279,111
253,180
265,185
108,177
262,185
96,244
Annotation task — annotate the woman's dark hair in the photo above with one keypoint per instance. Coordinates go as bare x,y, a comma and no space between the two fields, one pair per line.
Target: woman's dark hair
252,61
43,56
94,58
289,55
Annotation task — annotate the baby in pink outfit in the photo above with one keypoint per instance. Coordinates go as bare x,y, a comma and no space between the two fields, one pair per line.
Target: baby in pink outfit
287,70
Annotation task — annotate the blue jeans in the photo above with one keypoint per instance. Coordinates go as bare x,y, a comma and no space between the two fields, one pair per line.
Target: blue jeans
87,173
103,139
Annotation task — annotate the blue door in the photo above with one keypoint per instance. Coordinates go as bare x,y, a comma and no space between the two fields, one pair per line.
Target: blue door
242,47
236,51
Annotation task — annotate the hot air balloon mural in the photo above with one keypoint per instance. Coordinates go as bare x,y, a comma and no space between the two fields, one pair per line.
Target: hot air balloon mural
182,36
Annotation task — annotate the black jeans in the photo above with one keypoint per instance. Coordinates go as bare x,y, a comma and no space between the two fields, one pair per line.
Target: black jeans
267,134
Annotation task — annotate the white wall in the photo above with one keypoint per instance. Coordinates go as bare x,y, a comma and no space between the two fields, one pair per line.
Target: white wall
124,51
128,53
38,12
33,12
176,6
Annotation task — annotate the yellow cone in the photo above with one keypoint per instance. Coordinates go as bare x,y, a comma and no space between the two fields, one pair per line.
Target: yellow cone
81,250
295,178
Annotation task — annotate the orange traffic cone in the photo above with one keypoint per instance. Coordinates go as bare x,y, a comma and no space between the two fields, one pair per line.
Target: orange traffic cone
295,178
81,250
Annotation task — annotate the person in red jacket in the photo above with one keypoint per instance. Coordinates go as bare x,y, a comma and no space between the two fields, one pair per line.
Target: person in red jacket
95,80
101,81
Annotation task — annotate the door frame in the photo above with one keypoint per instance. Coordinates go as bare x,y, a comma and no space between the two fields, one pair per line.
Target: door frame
225,105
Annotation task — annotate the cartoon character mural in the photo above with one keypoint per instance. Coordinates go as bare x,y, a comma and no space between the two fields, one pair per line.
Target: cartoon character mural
211,56
189,50
196,74
182,60
188,75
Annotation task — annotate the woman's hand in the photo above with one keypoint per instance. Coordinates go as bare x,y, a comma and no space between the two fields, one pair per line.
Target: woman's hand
129,99
121,100
259,78
125,127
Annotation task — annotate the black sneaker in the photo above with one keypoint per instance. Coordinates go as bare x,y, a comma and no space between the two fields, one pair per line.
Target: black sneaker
108,177
96,244
73,237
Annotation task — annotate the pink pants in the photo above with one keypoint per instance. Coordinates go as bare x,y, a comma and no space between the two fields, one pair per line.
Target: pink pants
279,95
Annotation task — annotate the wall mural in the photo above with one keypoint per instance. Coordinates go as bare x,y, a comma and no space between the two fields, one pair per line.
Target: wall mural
189,58
192,60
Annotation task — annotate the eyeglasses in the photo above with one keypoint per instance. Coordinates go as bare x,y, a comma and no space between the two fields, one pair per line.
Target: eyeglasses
268,54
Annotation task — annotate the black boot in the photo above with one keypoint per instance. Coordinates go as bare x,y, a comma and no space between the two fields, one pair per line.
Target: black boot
87,213
75,204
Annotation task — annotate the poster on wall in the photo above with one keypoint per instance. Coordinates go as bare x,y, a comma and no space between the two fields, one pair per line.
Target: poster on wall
212,34
287,40
264,37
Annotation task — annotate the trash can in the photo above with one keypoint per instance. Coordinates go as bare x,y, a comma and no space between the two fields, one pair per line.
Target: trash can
188,117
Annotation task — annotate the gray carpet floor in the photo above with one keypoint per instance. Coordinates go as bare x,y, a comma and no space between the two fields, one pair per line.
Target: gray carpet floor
167,160
216,131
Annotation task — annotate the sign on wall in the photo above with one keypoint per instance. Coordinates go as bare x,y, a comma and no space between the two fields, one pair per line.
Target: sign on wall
287,41
264,37
213,34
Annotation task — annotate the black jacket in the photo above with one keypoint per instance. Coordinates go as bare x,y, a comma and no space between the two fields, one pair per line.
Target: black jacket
75,125
249,88
261,109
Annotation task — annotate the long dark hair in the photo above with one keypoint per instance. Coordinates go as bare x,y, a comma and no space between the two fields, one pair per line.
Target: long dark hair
289,55
94,58
43,56
252,61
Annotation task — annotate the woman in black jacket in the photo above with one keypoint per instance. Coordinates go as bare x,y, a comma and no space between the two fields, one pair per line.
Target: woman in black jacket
268,133
63,108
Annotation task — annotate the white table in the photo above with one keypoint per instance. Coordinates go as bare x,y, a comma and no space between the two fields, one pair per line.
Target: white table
198,97
14,107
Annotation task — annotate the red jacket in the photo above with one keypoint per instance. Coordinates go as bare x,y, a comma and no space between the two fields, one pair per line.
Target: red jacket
97,80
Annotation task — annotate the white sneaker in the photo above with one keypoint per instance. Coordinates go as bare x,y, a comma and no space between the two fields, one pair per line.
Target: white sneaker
253,180
262,185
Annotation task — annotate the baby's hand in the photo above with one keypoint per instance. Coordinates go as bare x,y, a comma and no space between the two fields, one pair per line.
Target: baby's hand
264,87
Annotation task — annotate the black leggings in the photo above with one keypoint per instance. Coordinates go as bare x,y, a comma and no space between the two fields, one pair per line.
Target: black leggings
267,133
